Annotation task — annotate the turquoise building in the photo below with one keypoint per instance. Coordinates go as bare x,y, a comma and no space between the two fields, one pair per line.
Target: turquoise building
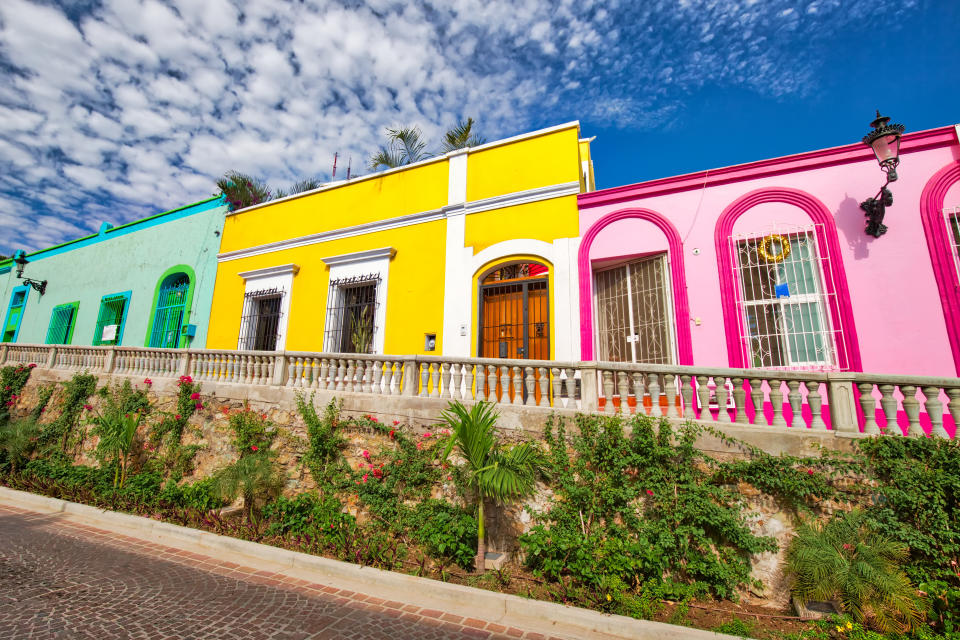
145,283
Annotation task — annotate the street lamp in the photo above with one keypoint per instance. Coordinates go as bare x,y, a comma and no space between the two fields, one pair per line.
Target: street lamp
20,259
885,142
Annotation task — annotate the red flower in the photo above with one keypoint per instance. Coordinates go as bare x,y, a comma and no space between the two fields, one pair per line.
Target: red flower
365,454
88,407
809,472
198,406
254,447
225,410
649,492
365,476
331,525
395,423
392,433
194,396
428,435
147,381
31,366
377,473
176,417
419,445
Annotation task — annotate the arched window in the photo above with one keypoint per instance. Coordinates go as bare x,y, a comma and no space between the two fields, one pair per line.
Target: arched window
169,311
514,312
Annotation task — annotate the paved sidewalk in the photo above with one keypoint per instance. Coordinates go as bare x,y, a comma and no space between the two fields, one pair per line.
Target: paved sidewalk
63,579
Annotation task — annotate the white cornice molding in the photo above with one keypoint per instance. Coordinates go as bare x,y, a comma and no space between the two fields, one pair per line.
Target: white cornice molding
360,256
487,204
280,270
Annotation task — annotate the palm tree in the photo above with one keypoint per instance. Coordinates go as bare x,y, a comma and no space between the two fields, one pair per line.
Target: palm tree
404,146
503,474
847,560
308,184
461,137
241,191
254,477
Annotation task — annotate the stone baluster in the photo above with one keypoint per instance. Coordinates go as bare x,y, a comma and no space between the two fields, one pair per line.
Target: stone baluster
456,379
321,382
756,399
653,388
776,400
556,387
504,384
868,406
464,384
670,389
815,402
723,396
516,381
796,403
912,408
703,397
424,379
446,389
543,377
608,392
301,372
491,383
623,391
954,407
341,374
350,375
934,411
529,383
639,392
377,381
740,400
435,380
388,379
571,384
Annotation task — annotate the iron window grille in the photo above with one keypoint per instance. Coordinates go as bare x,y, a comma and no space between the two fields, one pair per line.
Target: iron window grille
62,321
260,322
784,305
352,306
113,311
168,317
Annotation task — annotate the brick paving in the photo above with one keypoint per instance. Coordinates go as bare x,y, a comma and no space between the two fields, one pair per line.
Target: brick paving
63,579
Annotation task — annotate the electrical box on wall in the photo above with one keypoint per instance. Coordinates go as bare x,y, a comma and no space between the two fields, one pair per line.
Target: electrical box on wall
189,330
429,342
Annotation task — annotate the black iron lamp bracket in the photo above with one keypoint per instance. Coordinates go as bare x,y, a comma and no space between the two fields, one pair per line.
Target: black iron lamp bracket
39,285
875,208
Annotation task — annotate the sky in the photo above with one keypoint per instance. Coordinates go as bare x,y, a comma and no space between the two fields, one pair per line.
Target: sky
115,110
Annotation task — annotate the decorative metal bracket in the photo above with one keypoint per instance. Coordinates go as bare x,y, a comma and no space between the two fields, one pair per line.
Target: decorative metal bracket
875,208
39,285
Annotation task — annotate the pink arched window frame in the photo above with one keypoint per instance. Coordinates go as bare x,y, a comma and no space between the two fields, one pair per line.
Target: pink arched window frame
681,305
840,311
941,252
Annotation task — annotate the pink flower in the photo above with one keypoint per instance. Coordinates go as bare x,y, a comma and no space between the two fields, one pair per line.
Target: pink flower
395,423
254,447
392,434
365,454
88,407
186,379
419,445
331,526
809,472
31,366
365,476
428,435
649,492
847,546
198,406
377,473
147,381
449,477
176,417
194,396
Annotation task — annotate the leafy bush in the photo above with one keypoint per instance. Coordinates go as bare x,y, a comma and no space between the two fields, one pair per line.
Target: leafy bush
201,495
13,379
252,432
847,560
307,514
168,432
445,531
253,477
18,439
325,442
64,429
640,512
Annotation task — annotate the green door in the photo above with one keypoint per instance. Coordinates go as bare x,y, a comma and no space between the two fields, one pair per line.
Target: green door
168,318
14,314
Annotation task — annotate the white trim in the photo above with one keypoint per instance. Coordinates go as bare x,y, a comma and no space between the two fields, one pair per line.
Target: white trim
280,270
483,147
360,256
506,200
457,181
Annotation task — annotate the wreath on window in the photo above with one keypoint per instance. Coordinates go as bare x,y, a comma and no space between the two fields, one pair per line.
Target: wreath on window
764,249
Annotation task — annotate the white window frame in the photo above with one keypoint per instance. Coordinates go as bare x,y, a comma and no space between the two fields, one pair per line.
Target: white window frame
279,278
951,219
829,334
374,262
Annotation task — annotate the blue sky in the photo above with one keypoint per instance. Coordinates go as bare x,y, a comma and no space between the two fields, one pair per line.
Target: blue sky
116,109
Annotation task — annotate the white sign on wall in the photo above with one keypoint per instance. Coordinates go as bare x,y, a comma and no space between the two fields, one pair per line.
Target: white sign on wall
109,333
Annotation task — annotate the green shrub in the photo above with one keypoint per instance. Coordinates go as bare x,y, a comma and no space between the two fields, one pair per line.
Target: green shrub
325,443
253,477
18,439
307,514
200,495
847,560
64,429
252,432
13,378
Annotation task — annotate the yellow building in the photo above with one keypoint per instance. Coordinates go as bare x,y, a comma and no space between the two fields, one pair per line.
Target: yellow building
468,253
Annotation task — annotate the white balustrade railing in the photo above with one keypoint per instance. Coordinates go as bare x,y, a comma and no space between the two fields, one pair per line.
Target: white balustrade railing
908,405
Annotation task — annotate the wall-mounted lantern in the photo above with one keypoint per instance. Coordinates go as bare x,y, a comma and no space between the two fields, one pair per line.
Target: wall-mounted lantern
885,142
20,259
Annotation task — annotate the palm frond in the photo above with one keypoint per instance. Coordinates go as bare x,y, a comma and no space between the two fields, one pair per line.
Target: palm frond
241,190
405,146
461,137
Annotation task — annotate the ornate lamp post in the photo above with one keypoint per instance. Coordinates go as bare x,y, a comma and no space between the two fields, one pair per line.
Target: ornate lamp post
885,142
20,259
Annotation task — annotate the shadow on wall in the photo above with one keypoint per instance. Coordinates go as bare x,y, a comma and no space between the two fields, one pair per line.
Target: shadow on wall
850,225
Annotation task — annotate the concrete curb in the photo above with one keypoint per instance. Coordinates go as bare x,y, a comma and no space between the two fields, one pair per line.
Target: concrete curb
509,610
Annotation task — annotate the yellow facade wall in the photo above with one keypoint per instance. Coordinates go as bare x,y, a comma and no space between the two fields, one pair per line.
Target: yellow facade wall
536,162
587,182
414,292
546,220
423,188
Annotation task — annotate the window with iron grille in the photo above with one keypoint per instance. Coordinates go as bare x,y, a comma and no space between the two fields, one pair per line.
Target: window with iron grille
62,321
170,307
784,307
111,319
352,314
260,323
634,319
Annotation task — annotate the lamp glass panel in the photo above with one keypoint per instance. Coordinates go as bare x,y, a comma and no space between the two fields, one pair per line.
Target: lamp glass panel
886,147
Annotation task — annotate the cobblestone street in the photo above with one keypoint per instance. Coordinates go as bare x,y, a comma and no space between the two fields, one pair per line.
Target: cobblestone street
60,579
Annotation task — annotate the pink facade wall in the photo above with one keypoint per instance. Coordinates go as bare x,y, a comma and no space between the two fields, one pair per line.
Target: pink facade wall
894,306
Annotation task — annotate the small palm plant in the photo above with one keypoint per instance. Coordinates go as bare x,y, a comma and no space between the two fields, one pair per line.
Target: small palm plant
253,477
17,441
503,474
117,432
846,560
404,146
307,184
241,190
461,137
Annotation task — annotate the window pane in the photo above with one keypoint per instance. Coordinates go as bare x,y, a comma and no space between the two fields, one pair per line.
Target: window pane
805,331
613,315
650,312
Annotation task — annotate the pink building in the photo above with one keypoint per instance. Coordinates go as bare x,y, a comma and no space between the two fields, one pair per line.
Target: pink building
767,265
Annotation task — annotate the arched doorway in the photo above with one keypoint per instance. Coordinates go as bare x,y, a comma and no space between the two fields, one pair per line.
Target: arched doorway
169,309
514,312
